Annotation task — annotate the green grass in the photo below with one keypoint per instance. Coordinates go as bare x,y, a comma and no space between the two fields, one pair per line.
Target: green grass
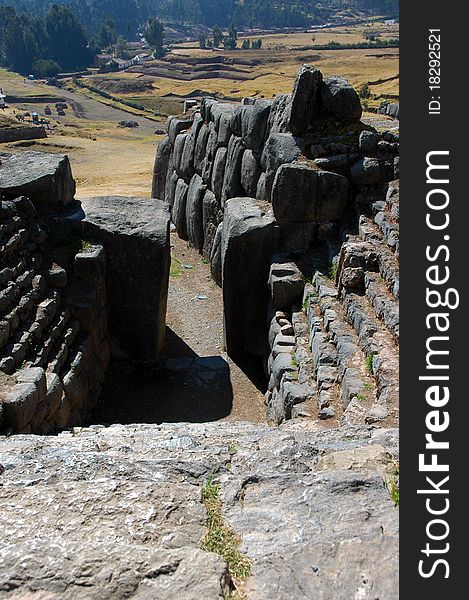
333,271
369,363
85,246
394,491
232,448
176,268
392,485
220,538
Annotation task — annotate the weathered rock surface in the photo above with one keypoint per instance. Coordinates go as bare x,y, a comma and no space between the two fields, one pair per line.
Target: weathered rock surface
178,212
246,239
302,193
304,100
42,177
194,212
160,169
341,100
135,233
115,513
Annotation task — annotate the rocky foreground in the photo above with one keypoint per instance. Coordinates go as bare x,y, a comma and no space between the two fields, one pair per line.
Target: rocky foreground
118,512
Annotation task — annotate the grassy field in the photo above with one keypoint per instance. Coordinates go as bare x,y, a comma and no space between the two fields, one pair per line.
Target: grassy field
108,159
269,71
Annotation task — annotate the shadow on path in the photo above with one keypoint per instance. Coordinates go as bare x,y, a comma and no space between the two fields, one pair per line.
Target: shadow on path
184,388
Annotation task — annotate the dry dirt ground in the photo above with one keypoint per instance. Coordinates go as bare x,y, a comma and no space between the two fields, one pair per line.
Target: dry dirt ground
196,381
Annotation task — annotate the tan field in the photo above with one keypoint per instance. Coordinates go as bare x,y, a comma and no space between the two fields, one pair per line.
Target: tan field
108,159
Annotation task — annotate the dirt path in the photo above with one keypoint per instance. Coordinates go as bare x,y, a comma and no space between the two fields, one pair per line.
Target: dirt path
196,382
88,108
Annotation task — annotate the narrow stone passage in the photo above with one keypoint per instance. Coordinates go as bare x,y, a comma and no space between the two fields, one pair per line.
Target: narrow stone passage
196,381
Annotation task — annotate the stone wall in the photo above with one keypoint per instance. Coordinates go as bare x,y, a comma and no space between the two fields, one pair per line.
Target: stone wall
54,349
305,155
334,340
16,134
78,284
272,193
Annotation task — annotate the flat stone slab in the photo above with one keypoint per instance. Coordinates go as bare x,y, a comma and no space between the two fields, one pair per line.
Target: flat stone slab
117,512
40,176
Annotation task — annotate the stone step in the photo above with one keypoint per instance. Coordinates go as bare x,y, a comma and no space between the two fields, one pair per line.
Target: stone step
358,387
386,261
385,305
379,347
325,364
51,338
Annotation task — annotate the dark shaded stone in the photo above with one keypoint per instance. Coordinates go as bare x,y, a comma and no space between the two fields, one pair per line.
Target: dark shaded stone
135,234
340,100
246,251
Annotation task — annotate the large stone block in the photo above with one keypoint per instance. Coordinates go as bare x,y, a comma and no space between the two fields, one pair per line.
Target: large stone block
340,100
42,177
176,126
170,188
135,234
201,148
19,405
178,212
279,149
305,99
286,285
303,193
212,216
218,172
254,125
250,173
278,119
232,178
178,152
160,169
246,251
194,212
186,166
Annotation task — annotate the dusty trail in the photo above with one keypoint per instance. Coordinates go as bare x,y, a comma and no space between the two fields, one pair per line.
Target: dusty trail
196,382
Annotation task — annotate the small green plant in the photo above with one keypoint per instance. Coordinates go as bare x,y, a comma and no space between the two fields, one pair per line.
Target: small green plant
294,362
306,304
232,448
333,271
368,387
85,246
394,491
364,91
176,268
369,363
360,397
392,485
220,538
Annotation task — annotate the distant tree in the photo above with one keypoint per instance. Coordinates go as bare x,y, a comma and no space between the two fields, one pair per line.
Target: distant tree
231,41
68,44
217,37
246,45
45,68
202,41
257,44
107,35
364,91
154,35
121,47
